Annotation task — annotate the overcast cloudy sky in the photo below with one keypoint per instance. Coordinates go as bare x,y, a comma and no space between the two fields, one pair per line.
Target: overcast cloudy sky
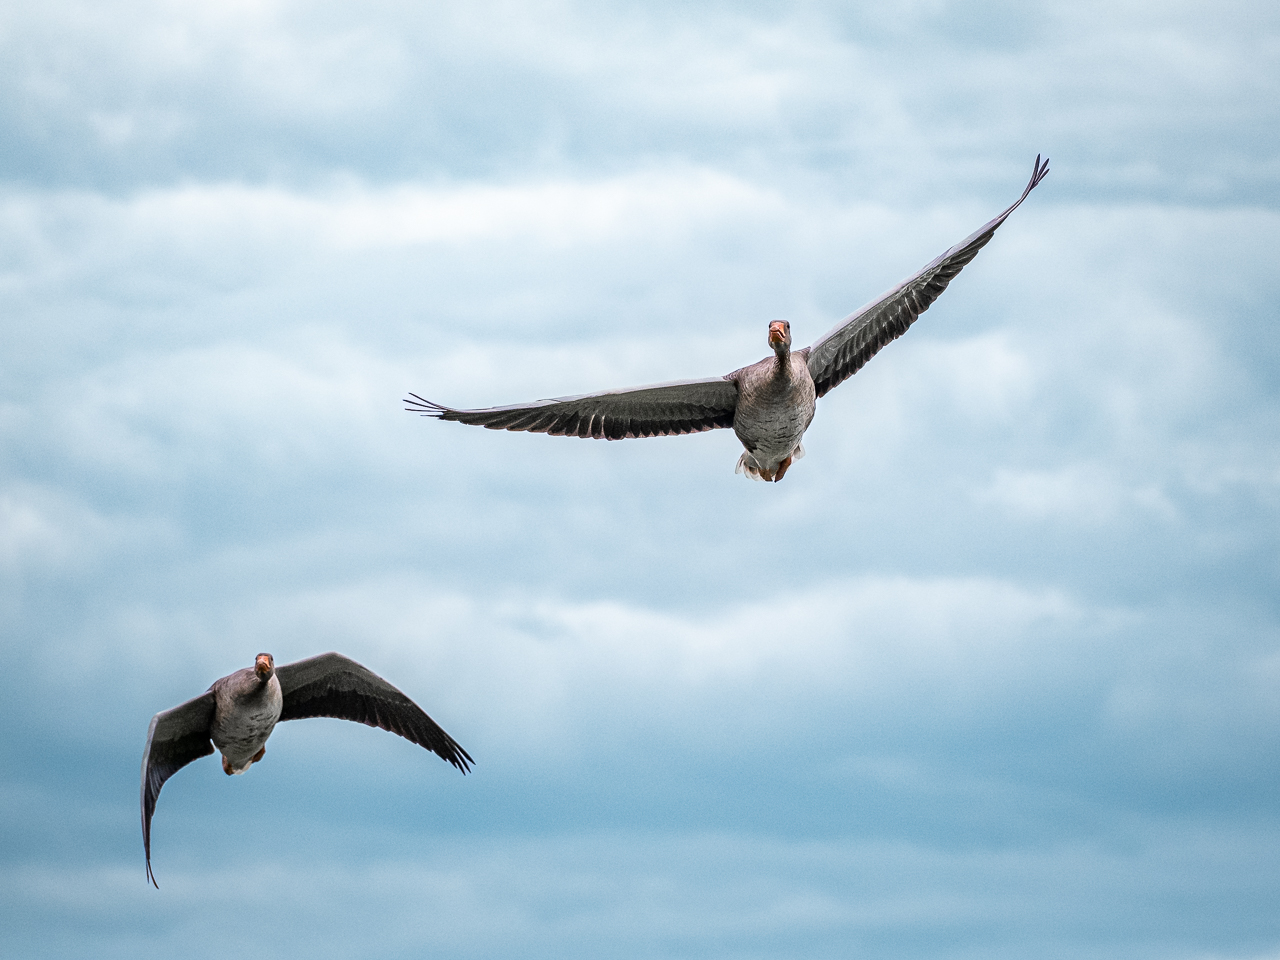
994,672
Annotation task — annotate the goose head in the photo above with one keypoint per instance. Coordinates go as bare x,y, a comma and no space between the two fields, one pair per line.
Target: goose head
264,666
780,337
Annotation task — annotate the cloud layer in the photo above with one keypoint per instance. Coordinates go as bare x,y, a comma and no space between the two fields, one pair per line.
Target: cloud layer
992,673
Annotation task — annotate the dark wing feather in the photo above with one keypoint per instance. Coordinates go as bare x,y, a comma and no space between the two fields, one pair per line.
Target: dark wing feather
175,738
663,409
332,685
859,337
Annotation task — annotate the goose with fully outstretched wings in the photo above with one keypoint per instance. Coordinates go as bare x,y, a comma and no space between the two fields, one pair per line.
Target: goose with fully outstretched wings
769,404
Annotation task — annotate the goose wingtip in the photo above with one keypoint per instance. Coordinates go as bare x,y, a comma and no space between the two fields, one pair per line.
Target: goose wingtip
423,407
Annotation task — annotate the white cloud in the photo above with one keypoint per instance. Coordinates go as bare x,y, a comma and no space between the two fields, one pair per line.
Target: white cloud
544,676
48,530
222,410
28,531
559,213
1079,493
580,895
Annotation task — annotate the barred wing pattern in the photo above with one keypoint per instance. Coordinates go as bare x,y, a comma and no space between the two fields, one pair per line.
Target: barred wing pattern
175,738
859,337
332,685
663,409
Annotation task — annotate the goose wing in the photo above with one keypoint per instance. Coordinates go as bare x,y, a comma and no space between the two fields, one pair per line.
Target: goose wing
332,685
659,410
175,738
859,337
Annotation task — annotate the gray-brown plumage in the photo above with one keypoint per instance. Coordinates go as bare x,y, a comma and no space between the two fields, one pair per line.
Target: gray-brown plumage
768,404
239,711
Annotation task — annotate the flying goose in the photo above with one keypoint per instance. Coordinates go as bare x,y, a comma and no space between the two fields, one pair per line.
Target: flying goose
768,404
238,712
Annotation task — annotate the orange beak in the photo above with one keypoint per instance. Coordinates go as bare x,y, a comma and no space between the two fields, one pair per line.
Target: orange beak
262,666
777,334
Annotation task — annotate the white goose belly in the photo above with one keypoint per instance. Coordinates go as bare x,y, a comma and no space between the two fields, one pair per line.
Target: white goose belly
771,422
241,729
772,441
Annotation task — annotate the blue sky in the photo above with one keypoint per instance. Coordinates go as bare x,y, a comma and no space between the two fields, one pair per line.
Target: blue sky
994,672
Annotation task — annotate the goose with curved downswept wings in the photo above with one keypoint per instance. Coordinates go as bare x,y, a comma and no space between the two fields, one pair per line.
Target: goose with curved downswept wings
769,404
239,711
